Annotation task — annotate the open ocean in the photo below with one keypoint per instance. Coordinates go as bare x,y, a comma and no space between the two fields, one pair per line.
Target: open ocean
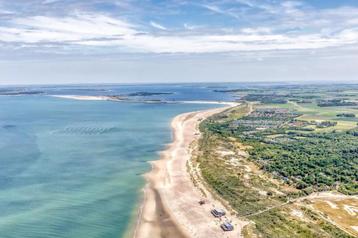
73,169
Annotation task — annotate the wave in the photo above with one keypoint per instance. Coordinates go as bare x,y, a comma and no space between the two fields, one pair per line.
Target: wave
86,130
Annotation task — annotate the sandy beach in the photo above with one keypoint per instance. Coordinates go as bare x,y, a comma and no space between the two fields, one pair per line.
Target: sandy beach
83,97
171,200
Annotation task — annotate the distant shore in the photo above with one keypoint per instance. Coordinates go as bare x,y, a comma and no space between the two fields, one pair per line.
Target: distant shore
124,99
85,97
170,205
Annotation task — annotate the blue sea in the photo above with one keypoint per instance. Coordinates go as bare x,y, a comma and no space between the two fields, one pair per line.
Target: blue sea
73,169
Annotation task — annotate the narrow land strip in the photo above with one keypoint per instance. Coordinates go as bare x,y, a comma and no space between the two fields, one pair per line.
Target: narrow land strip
171,202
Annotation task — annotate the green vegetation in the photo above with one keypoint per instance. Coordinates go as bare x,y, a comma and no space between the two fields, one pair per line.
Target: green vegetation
325,124
336,103
297,140
230,184
312,161
276,223
265,98
229,181
346,115
321,162
252,193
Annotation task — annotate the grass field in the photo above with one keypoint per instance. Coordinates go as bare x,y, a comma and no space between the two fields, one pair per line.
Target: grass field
312,112
342,211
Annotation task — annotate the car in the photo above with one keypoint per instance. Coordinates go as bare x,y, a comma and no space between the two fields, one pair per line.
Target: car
218,212
227,226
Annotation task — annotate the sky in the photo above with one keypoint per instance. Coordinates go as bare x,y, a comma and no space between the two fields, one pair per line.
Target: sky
143,41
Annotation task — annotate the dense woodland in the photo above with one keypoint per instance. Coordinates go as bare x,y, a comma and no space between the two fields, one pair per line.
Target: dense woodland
309,160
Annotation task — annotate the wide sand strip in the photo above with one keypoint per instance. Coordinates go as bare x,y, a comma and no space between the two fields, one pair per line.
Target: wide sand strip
171,201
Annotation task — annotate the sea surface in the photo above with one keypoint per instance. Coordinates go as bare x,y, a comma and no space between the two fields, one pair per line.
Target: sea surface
73,169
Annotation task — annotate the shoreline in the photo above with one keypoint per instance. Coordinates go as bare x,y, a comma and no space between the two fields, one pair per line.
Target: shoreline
124,99
170,203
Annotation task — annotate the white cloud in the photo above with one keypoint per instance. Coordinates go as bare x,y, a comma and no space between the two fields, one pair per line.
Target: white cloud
247,3
218,10
257,30
99,30
251,40
286,16
5,11
64,30
158,26
190,27
50,1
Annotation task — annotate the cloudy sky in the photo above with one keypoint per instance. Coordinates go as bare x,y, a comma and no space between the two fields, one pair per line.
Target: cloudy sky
127,41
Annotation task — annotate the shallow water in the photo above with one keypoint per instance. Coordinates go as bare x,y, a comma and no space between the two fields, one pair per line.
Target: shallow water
73,168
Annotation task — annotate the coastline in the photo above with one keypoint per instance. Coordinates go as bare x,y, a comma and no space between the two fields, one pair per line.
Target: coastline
83,97
124,99
170,205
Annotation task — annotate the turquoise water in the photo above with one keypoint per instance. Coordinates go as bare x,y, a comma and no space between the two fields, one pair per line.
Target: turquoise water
73,169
